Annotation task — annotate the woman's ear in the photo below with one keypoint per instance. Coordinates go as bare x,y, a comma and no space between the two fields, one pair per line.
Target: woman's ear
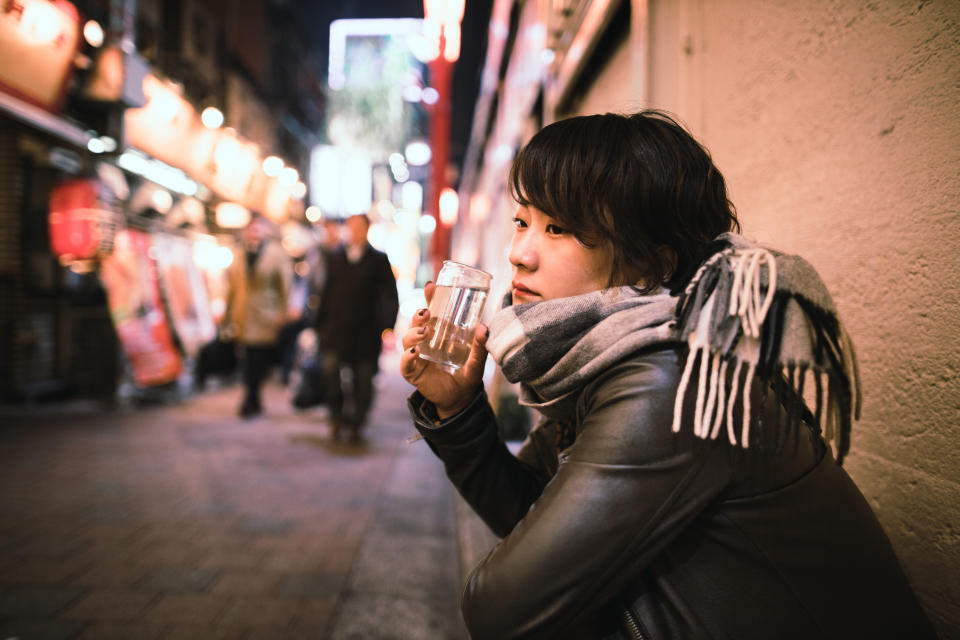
668,257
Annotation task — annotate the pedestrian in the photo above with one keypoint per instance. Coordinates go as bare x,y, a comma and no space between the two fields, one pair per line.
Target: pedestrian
308,279
676,485
329,232
296,320
358,303
304,358
259,280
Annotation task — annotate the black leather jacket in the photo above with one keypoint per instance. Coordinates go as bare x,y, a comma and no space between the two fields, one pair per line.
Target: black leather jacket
636,532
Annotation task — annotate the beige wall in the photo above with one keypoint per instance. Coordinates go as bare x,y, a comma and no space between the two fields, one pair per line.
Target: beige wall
837,125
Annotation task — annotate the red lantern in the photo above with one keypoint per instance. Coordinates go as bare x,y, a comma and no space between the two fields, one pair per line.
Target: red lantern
83,220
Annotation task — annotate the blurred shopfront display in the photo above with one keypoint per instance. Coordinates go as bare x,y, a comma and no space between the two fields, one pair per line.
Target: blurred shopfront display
115,157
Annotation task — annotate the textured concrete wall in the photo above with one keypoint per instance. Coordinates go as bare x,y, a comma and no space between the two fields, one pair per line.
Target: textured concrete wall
837,125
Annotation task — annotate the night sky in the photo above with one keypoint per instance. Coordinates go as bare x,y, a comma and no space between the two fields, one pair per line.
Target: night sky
467,71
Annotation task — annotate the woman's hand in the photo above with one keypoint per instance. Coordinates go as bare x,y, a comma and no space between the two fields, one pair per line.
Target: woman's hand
449,392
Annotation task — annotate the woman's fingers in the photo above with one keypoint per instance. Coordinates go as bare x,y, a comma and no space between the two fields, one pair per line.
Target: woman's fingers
420,317
478,352
413,336
411,364
481,334
418,330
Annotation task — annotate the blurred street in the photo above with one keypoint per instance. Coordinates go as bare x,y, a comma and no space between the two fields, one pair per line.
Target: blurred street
185,521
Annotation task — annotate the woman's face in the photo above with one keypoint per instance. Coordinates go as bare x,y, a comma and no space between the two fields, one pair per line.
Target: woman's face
549,262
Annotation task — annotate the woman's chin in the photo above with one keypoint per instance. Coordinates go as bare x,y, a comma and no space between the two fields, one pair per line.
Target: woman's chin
519,297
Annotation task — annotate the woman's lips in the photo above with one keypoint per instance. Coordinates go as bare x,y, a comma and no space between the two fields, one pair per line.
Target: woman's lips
522,291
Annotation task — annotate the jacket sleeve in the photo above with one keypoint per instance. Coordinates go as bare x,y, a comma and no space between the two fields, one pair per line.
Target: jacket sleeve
229,321
388,303
285,271
622,492
499,487
329,278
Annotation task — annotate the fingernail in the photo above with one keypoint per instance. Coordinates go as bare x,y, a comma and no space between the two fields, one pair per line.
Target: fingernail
428,282
421,313
413,349
422,330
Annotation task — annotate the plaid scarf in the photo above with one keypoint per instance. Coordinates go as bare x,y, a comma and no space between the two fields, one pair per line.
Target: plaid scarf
747,312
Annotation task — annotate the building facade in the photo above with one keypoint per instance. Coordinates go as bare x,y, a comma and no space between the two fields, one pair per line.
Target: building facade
116,94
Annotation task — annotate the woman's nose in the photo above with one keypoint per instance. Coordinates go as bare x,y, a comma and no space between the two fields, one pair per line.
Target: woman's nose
523,251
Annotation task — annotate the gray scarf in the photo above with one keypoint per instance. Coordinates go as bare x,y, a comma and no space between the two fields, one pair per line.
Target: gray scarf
555,347
735,324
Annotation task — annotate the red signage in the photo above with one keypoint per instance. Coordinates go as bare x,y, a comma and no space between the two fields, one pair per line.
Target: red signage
82,219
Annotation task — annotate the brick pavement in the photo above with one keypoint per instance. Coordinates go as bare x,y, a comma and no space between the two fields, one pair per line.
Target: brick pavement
185,522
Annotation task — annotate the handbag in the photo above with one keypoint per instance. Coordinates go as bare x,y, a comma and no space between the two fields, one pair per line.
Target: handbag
217,357
306,379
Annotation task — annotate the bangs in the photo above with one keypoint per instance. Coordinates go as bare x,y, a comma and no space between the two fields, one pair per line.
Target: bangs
529,180
551,174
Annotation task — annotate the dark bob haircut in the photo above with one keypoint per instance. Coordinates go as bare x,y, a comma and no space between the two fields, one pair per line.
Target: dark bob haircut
639,182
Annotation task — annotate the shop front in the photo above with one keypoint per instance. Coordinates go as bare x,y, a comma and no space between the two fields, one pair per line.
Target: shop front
112,254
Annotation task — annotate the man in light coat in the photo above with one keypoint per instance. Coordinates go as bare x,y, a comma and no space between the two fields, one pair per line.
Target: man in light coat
260,278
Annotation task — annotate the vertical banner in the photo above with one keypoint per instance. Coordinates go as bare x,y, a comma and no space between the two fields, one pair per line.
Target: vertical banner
184,291
130,277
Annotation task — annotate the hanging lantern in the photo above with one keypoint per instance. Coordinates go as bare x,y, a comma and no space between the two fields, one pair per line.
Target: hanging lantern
83,220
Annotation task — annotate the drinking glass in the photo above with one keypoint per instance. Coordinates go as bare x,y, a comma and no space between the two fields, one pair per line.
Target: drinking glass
455,309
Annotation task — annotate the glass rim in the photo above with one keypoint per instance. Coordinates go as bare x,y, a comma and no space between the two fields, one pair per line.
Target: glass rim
465,266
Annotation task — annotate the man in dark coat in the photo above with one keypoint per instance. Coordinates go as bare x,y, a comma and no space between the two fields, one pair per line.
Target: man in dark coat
357,304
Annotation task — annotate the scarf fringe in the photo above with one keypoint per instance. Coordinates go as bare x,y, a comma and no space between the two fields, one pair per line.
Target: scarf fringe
740,326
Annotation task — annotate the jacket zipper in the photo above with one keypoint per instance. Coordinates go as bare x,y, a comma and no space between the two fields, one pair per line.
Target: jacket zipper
633,625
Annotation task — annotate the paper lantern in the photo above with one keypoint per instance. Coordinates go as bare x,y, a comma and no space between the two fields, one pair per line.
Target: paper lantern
83,221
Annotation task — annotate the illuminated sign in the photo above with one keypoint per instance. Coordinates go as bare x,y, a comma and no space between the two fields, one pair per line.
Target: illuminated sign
341,180
357,48
38,40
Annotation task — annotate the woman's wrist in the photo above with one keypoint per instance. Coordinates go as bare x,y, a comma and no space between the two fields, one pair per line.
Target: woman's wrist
447,411
426,416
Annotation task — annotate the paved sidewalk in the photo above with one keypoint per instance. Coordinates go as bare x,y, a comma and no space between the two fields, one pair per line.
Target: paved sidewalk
186,522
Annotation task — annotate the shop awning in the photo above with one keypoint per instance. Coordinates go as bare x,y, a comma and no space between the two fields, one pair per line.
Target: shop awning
43,120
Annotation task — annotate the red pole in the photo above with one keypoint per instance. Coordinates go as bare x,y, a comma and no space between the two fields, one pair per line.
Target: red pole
441,72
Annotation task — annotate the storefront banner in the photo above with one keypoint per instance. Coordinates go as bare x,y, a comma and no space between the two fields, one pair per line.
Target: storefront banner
129,275
185,293
38,41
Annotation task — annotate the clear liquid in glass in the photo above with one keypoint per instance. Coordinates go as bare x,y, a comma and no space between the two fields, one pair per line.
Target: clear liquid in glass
454,313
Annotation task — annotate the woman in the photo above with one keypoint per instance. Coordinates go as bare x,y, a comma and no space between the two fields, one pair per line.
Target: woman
677,485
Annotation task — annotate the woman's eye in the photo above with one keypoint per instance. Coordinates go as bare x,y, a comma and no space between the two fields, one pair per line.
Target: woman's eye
518,223
553,229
